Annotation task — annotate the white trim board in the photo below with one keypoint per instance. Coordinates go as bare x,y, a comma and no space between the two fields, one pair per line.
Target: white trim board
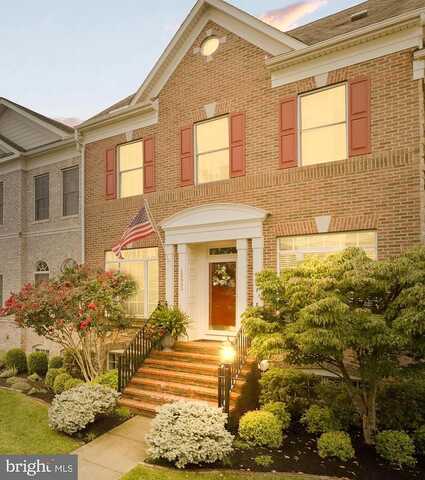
120,127
396,42
253,30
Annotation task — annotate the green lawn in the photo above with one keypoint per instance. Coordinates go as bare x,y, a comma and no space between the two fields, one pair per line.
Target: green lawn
24,429
142,472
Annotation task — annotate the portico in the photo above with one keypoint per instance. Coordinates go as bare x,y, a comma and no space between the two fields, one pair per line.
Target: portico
211,245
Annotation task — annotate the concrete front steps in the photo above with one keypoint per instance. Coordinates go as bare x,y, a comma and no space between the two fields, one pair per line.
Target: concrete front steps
189,372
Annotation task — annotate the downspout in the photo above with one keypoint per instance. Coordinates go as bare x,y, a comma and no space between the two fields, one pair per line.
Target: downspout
82,150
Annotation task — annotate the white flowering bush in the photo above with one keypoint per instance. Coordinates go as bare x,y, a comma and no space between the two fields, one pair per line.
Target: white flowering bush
74,409
189,433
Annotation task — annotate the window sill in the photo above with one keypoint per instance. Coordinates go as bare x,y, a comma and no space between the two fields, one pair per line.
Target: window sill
66,217
38,222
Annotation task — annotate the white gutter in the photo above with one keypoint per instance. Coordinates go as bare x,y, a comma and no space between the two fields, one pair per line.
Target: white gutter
347,39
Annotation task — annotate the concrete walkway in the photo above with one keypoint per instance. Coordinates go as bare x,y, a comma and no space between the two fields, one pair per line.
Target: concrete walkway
114,453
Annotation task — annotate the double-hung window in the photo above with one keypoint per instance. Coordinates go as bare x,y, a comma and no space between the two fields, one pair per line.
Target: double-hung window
142,265
41,197
130,169
293,250
323,125
1,290
71,191
212,150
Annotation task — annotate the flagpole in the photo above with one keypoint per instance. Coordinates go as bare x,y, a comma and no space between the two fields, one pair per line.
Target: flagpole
148,210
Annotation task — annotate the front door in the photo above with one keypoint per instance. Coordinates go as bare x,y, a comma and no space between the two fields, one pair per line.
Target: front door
222,295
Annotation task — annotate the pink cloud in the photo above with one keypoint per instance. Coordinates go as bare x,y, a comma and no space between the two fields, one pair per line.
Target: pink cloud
287,18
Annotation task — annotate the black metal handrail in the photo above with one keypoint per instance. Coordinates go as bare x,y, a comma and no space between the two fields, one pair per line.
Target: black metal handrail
228,373
135,354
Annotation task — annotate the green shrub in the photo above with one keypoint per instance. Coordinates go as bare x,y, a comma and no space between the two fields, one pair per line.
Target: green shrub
419,439
2,359
123,412
291,386
187,432
335,444
38,363
261,428
73,410
410,393
263,460
109,378
334,395
51,374
59,383
71,383
16,358
396,447
70,365
320,420
56,362
279,411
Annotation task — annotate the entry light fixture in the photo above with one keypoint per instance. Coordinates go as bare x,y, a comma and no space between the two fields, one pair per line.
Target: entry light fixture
227,352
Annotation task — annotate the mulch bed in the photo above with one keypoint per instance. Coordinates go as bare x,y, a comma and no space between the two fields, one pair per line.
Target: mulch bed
299,455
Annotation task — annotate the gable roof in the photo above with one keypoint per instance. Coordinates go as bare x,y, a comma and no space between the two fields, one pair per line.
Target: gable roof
341,22
250,28
48,131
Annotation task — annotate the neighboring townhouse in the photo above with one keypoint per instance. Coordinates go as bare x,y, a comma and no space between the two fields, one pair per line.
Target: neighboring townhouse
257,149
40,206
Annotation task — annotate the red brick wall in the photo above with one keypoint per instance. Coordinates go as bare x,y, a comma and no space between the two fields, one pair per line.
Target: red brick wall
381,190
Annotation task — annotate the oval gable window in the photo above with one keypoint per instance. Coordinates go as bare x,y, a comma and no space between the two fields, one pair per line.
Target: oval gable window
209,46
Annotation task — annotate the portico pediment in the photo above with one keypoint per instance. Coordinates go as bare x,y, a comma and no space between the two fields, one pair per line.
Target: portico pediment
214,221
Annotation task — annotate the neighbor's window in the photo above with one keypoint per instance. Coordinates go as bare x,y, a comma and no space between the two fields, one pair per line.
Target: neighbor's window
41,196
113,357
41,273
130,161
1,203
293,250
323,125
142,265
212,150
71,189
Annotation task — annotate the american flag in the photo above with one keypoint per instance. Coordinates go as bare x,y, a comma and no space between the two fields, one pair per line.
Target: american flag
139,227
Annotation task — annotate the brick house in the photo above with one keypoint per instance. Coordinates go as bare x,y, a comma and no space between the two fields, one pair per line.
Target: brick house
40,225
255,149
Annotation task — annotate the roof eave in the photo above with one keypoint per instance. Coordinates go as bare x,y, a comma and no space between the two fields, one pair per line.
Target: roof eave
346,40
119,114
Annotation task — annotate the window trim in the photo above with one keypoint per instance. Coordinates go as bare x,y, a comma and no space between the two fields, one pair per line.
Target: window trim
41,272
77,167
118,166
299,122
46,174
145,261
195,149
279,270
1,289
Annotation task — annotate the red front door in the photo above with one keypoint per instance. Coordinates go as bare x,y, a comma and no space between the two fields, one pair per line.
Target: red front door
222,295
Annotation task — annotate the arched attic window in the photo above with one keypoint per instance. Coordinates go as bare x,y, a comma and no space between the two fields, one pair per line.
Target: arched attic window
42,272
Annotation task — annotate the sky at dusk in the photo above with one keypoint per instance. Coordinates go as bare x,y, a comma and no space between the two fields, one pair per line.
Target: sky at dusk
69,60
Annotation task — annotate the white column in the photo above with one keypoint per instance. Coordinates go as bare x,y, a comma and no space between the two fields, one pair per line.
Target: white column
169,274
257,264
241,278
183,260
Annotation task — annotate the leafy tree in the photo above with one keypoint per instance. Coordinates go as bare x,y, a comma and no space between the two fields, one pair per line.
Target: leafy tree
347,314
81,310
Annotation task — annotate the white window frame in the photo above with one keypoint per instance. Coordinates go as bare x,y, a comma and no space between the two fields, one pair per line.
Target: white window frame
2,202
46,174
113,352
195,147
299,121
41,272
145,277
131,170
77,167
330,251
